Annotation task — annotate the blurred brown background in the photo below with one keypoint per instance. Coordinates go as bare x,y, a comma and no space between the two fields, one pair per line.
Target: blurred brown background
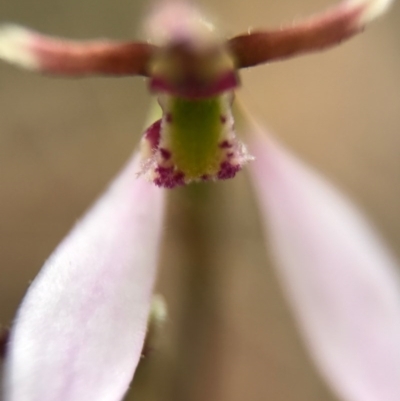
62,140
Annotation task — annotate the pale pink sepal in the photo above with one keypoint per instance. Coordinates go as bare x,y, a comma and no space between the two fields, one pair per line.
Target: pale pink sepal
342,284
79,333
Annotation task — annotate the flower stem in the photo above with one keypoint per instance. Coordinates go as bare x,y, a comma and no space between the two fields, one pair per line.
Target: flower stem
198,367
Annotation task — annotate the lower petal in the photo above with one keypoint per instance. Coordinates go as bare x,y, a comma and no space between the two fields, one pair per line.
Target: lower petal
79,333
343,286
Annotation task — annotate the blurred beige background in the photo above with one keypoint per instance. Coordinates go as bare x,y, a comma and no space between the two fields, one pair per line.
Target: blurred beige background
62,140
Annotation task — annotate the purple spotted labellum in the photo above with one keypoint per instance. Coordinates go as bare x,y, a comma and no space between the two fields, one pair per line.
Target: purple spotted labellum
343,285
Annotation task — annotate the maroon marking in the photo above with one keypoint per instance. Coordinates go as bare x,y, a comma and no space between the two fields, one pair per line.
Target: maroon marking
180,178
230,155
166,154
168,178
225,145
205,177
223,119
152,134
193,89
228,170
168,118
164,170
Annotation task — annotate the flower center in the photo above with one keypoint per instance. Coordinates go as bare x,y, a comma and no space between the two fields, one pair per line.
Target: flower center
194,141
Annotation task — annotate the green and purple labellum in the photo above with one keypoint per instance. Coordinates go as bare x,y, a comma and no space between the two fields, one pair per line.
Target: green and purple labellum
193,74
193,141
193,71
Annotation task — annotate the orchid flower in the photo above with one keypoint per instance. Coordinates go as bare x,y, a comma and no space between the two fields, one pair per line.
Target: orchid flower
341,282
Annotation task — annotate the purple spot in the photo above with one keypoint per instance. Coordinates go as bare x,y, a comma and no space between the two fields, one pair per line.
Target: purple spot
152,134
225,145
228,170
166,154
223,119
164,170
205,177
230,155
168,118
168,178
179,178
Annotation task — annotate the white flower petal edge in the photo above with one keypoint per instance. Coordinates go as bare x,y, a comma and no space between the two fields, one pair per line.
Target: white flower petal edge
16,46
342,285
371,9
79,333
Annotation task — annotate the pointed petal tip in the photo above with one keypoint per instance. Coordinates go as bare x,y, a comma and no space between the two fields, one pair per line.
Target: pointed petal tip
370,9
16,46
80,330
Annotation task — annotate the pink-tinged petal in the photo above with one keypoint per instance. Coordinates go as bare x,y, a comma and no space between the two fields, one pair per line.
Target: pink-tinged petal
34,51
313,34
342,284
79,333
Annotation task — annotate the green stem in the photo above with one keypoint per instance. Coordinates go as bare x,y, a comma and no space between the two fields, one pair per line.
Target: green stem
197,374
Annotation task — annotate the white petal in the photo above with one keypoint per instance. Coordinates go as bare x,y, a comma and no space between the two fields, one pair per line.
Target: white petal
79,333
16,47
343,286
371,9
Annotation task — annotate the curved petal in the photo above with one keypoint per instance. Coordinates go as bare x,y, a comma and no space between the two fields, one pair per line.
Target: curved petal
343,286
79,333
